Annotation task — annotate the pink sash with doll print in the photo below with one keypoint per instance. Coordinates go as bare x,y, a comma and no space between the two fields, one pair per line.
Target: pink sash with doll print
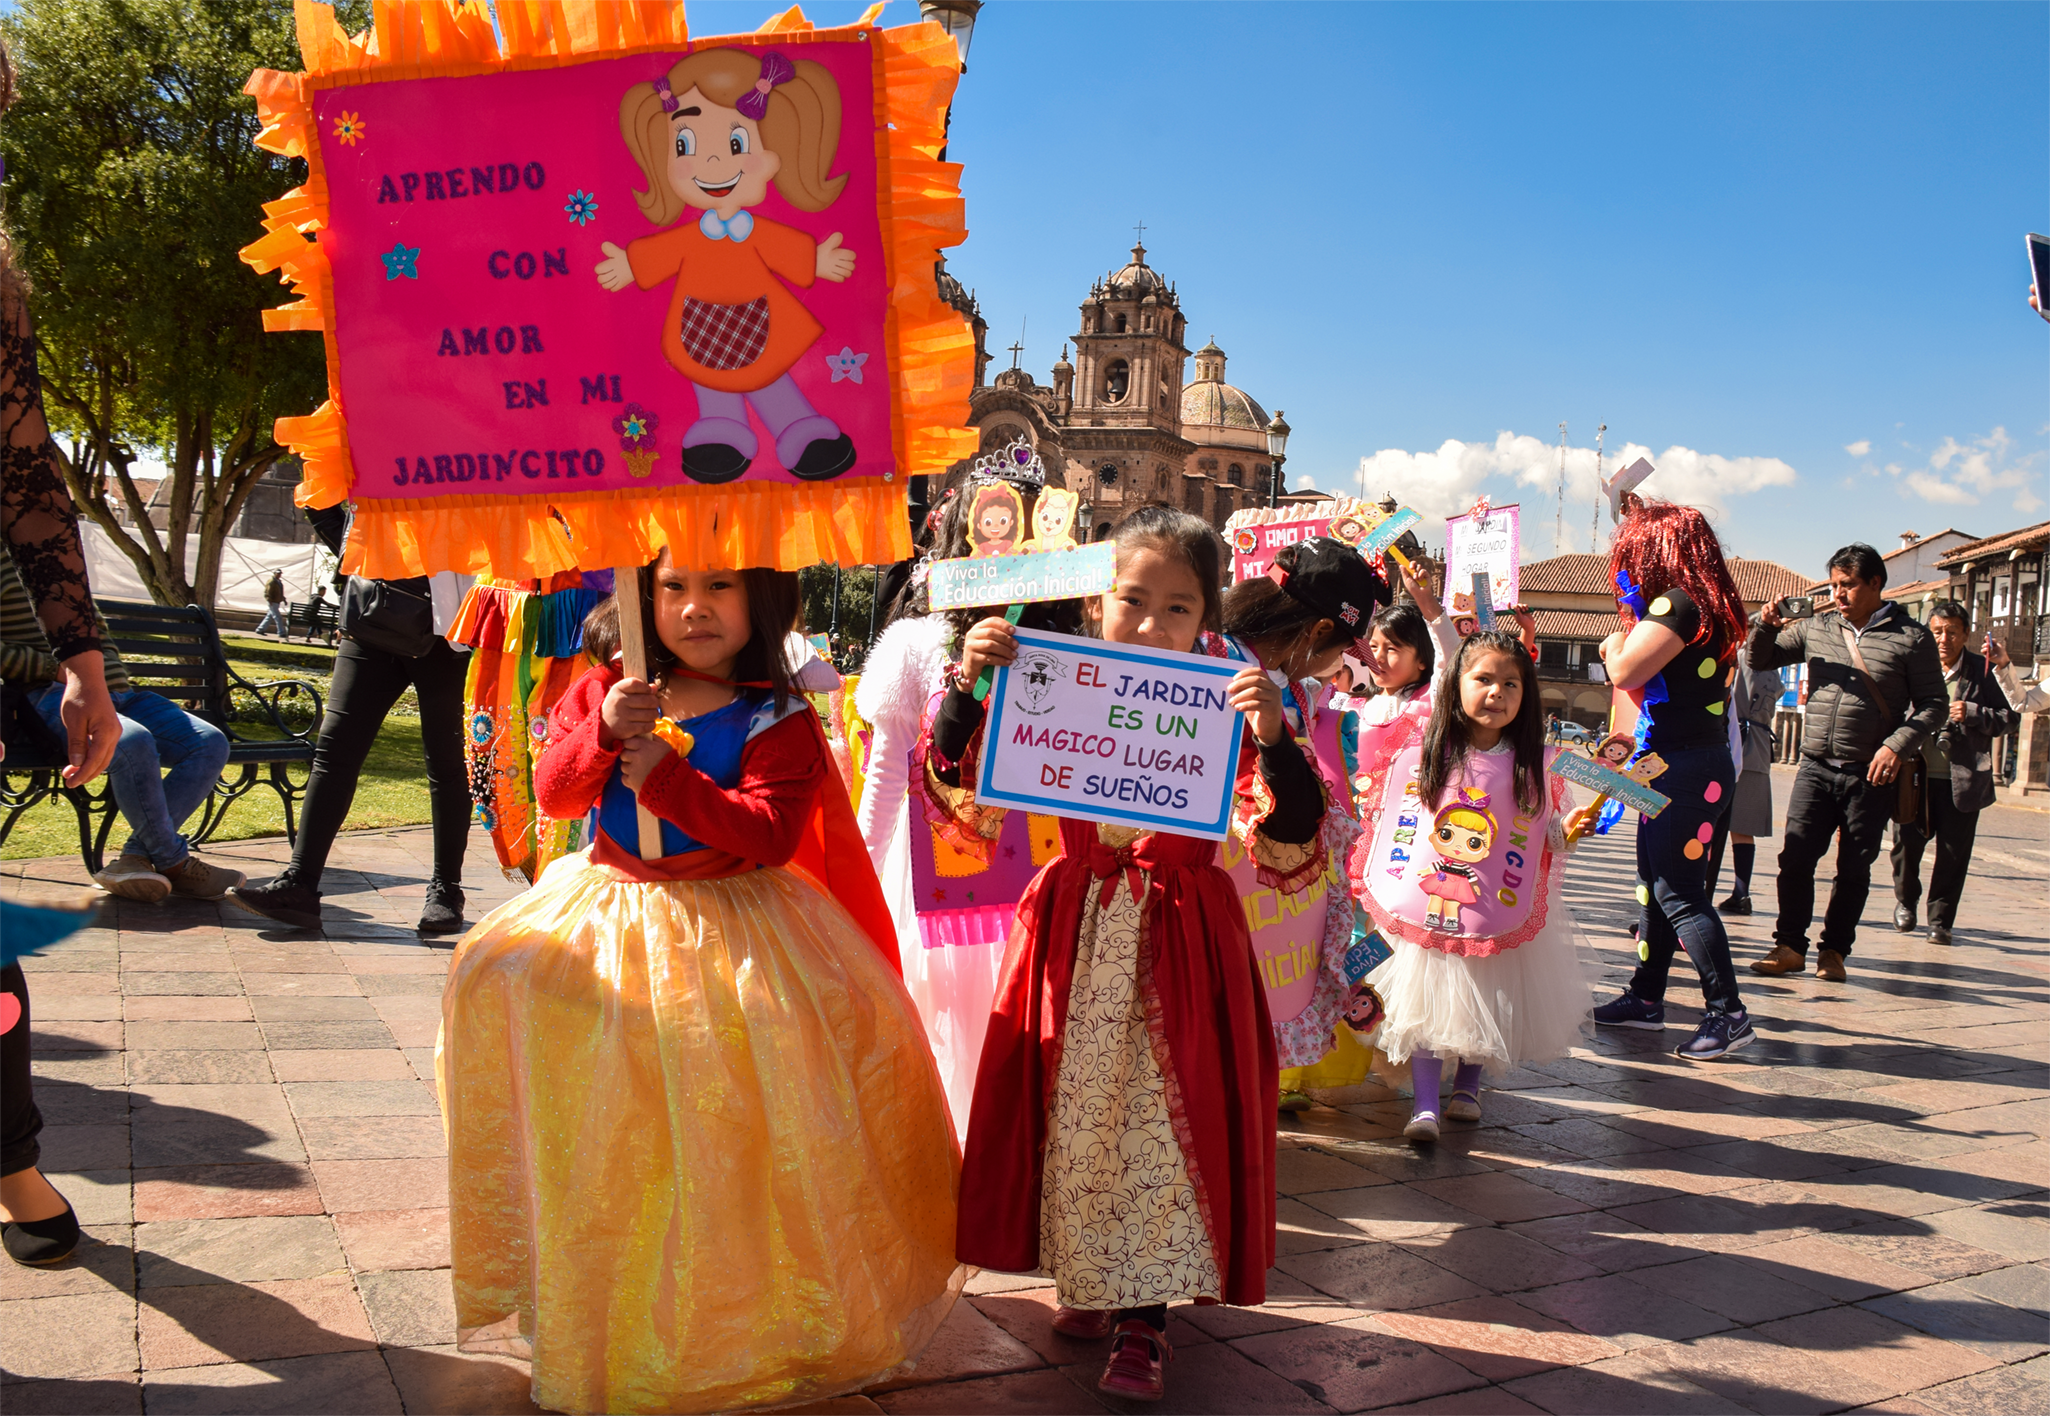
1478,889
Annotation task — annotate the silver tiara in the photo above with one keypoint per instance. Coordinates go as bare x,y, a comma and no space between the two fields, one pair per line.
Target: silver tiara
1016,463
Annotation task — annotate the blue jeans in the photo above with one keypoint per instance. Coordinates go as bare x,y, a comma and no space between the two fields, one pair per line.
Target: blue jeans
1672,881
155,733
274,615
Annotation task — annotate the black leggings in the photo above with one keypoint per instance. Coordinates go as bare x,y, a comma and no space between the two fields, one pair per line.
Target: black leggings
20,1122
367,683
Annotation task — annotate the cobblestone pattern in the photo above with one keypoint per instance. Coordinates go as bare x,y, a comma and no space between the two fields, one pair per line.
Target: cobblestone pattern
1847,1216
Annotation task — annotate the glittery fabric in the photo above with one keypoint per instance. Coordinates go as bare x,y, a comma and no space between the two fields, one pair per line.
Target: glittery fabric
699,1157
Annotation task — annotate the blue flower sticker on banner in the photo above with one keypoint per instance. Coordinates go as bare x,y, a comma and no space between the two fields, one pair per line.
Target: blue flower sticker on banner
582,207
400,260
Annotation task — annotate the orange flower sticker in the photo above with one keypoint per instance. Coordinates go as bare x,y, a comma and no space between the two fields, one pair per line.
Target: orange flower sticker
349,127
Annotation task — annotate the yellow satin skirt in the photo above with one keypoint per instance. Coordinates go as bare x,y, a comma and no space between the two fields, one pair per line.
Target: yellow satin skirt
699,1156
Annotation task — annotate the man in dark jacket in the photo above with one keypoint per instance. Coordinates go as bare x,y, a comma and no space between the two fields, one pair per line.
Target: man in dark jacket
1875,693
1959,756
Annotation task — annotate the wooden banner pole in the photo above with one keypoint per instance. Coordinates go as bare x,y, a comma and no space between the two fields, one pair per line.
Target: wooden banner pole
633,648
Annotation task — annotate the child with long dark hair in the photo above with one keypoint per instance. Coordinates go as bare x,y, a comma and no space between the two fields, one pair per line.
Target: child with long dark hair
1677,655
1460,865
698,1154
1122,1134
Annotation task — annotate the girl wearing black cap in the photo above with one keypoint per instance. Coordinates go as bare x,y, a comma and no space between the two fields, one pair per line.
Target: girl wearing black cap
1298,621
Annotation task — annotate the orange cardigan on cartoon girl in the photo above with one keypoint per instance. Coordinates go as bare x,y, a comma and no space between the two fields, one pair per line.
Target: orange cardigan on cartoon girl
731,273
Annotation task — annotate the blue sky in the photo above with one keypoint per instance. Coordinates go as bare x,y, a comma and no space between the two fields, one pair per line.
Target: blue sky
1777,247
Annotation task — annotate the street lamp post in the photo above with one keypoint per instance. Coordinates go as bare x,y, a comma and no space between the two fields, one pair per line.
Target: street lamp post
957,18
1277,448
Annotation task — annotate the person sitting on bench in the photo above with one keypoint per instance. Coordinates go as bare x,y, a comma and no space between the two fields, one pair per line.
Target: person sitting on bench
156,733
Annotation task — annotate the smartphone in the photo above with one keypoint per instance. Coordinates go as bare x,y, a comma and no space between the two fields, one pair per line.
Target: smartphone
2039,267
1797,607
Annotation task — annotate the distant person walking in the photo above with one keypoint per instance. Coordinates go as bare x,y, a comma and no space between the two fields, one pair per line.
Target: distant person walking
274,603
1959,756
1875,693
1754,703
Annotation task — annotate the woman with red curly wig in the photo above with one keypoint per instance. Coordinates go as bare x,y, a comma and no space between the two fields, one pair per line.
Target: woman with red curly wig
1683,625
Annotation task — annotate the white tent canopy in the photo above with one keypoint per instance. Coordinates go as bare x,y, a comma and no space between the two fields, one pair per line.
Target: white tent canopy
246,566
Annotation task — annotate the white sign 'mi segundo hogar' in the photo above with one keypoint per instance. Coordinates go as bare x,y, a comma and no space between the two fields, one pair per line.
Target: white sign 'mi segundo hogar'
1113,733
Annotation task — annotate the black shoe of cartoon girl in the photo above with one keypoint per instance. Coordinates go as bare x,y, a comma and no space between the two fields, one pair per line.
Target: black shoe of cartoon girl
714,462
825,458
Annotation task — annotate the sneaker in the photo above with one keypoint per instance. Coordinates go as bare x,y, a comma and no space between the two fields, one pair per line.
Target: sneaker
133,878
1719,1034
284,900
1737,904
1422,1129
1136,1359
1630,1011
443,913
196,880
1085,1324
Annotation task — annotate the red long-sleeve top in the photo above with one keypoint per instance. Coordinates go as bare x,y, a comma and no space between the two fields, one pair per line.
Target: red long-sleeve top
759,821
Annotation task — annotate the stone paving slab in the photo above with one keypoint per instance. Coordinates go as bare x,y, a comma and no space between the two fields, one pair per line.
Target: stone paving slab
1850,1215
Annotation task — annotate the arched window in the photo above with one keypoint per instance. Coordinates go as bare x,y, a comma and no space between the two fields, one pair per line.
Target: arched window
1117,379
1121,324
1236,475
1103,530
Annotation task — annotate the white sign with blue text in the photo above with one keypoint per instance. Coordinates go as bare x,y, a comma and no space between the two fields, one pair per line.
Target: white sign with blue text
1113,733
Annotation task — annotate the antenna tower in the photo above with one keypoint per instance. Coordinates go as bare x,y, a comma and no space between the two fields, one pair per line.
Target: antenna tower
1594,540
1559,519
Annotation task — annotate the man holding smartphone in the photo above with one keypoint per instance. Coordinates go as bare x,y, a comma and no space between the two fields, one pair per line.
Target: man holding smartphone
1875,693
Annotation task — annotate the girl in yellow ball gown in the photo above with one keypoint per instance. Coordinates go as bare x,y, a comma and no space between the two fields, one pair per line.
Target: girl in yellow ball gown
699,1156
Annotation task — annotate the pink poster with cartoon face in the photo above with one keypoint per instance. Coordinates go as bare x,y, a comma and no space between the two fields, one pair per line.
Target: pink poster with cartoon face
634,273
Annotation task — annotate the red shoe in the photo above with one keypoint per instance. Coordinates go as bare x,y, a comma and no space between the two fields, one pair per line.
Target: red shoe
1088,1324
1136,1359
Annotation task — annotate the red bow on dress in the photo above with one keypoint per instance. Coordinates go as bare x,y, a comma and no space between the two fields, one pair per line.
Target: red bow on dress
1105,863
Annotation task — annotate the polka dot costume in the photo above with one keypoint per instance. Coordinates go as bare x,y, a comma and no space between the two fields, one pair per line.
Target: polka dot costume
1697,681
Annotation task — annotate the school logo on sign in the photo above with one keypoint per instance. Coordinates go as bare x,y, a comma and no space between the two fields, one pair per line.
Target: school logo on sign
1036,674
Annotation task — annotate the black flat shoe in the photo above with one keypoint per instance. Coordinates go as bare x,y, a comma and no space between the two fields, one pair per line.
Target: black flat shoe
714,462
283,900
444,911
1736,905
824,459
38,1243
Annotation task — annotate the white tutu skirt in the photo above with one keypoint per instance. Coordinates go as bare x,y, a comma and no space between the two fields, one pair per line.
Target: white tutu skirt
1532,1003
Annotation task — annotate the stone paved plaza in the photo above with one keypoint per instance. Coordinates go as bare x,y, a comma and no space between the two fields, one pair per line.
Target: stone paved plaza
1848,1216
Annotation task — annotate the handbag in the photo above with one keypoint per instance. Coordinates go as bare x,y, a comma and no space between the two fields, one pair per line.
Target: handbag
1911,785
395,617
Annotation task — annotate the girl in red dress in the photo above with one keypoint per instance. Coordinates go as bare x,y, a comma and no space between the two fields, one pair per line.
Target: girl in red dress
1122,1131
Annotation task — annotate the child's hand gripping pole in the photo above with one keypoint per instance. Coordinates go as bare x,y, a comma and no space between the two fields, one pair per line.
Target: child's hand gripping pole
633,648
1582,821
988,677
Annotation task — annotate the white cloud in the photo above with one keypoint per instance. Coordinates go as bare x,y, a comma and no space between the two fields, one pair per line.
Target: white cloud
1445,482
1985,468
1859,448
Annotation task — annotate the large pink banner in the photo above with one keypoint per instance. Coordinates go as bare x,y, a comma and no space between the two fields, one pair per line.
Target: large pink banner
479,349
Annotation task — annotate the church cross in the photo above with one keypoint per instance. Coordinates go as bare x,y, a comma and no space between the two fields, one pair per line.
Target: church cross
1016,350
1141,228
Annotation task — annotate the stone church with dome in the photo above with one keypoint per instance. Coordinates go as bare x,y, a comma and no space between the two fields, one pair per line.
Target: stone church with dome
1119,424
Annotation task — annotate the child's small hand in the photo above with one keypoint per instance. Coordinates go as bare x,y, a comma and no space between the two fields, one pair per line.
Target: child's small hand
1580,822
616,272
1526,628
835,262
638,759
990,644
1257,696
630,710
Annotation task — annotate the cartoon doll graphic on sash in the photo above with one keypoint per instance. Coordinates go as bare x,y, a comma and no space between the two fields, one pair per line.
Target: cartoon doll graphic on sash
711,135
1462,835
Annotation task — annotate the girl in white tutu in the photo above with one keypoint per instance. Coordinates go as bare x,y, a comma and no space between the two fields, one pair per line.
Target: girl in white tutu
1459,864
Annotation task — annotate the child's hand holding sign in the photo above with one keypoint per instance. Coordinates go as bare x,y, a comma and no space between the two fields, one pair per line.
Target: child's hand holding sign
1257,696
991,644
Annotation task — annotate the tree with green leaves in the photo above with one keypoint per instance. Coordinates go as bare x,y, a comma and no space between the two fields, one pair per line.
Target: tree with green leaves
132,181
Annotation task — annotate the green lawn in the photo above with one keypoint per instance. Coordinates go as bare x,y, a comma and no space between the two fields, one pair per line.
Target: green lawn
392,792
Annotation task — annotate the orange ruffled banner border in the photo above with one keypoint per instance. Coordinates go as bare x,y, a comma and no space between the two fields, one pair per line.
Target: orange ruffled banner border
787,527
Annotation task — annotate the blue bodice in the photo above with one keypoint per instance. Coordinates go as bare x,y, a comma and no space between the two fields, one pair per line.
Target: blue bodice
721,738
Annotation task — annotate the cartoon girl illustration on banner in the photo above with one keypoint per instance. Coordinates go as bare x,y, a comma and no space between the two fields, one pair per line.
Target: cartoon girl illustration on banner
1462,835
710,136
994,517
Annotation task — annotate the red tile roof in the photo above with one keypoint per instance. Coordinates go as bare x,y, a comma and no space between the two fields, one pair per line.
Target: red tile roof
1581,573
1575,624
2028,538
